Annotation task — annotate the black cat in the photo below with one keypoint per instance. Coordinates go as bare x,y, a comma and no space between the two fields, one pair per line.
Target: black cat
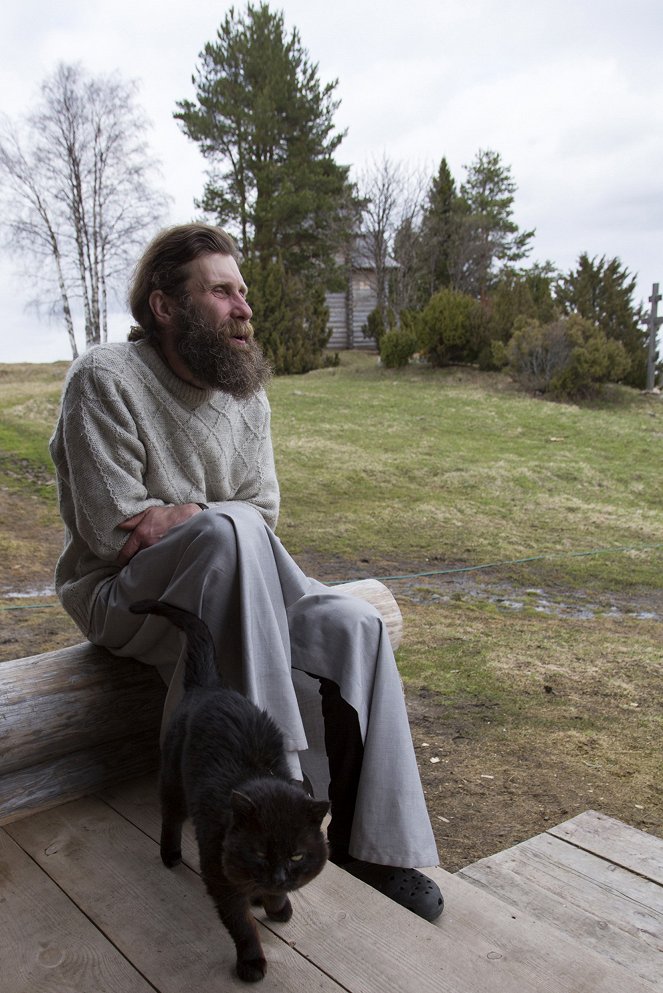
223,765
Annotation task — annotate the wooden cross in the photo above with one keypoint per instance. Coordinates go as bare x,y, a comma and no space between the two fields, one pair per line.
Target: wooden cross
654,323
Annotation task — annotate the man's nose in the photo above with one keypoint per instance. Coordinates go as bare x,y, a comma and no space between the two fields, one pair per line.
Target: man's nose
241,309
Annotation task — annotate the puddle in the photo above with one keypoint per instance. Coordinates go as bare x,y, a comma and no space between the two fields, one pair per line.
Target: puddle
27,594
577,608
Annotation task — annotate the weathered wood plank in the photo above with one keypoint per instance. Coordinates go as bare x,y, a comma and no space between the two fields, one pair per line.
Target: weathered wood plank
162,920
478,947
48,945
478,944
607,908
555,960
615,841
137,800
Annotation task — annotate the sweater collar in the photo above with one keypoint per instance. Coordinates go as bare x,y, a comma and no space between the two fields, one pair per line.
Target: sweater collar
188,394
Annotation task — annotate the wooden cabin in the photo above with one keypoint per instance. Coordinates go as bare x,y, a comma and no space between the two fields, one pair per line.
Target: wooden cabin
349,309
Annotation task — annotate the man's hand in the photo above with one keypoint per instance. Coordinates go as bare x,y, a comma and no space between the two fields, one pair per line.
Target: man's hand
149,527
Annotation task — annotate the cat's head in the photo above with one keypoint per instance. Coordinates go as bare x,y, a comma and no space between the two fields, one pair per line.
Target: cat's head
274,843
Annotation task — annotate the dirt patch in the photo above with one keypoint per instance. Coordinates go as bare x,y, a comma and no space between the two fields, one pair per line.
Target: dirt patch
490,782
487,792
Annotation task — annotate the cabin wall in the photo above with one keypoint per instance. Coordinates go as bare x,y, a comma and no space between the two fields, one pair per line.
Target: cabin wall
348,312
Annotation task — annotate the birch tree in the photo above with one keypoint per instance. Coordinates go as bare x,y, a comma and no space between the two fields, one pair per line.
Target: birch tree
77,186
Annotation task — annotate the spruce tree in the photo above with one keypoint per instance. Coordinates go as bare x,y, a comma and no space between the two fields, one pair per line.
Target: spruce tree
439,232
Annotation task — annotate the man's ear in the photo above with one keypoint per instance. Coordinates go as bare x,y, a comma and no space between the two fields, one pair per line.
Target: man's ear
162,306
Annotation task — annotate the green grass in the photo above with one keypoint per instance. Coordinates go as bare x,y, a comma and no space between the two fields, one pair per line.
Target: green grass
431,469
29,397
460,468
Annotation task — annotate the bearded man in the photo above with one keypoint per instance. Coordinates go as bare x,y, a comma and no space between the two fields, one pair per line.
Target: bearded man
168,490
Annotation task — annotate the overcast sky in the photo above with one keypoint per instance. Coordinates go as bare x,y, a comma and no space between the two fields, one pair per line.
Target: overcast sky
569,93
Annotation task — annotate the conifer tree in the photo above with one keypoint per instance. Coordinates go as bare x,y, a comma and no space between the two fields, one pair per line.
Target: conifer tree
265,123
491,240
601,290
439,231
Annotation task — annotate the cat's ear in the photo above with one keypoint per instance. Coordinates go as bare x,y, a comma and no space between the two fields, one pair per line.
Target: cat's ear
316,810
242,805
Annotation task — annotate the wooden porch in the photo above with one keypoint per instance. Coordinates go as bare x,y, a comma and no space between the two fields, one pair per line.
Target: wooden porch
87,907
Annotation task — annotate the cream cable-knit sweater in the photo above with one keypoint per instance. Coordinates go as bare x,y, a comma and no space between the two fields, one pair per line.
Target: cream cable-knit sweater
133,435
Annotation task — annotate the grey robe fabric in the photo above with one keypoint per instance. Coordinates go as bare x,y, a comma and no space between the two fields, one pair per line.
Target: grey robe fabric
271,626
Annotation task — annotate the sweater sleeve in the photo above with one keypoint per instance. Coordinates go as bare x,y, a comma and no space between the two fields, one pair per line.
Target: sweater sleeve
100,461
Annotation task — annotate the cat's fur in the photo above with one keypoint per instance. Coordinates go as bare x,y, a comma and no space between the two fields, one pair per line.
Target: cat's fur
223,765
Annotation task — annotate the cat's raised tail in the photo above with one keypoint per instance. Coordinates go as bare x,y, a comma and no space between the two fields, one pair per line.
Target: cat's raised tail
201,657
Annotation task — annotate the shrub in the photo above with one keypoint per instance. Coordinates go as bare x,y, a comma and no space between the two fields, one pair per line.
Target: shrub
570,357
451,328
397,347
377,324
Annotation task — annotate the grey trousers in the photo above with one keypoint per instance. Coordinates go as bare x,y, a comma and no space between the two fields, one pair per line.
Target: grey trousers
273,626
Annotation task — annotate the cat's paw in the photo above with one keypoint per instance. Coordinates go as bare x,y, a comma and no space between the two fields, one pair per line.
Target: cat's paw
251,970
171,859
280,913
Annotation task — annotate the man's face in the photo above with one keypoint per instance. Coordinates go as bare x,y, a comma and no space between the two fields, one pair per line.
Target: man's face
216,289
212,334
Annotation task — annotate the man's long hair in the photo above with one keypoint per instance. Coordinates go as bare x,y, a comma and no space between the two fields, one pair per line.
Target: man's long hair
165,266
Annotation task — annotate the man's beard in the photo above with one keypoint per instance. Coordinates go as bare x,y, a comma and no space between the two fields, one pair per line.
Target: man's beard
216,361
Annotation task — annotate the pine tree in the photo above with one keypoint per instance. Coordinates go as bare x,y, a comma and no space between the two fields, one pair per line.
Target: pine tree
265,123
527,293
490,240
291,320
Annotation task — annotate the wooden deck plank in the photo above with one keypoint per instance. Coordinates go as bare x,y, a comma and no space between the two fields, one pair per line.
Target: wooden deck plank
48,945
615,841
606,907
481,943
138,801
163,921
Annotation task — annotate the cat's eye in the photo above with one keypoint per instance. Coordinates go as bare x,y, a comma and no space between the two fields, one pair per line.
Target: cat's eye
261,855
296,858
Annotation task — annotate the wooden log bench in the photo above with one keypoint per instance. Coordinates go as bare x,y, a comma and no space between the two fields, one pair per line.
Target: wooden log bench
75,720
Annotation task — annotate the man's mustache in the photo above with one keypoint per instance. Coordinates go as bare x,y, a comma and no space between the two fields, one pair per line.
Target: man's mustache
235,328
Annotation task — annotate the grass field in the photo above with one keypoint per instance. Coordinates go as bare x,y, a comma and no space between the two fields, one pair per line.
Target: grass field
531,536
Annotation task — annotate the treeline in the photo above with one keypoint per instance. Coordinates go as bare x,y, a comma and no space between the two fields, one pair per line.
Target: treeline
456,289
448,259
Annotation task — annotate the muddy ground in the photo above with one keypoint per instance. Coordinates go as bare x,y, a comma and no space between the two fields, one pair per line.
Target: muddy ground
485,790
